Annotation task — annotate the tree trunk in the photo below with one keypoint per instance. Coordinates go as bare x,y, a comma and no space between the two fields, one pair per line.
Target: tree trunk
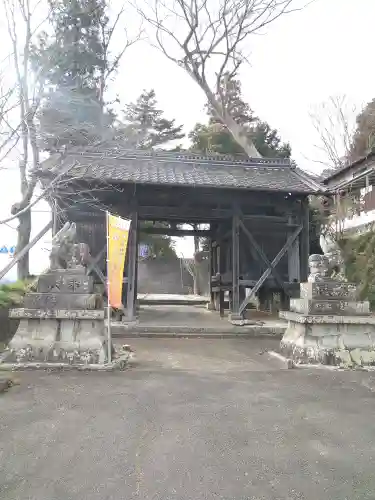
23,238
238,133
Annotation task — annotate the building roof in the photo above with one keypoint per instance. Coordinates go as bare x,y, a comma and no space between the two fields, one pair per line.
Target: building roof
336,174
183,169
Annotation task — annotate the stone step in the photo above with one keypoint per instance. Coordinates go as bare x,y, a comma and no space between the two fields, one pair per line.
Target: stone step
123,330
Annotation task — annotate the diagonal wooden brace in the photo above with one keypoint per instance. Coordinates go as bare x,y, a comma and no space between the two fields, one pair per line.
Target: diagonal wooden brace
93,266
273,264
263,256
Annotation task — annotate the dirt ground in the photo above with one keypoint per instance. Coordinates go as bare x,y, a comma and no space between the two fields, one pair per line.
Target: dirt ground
192,419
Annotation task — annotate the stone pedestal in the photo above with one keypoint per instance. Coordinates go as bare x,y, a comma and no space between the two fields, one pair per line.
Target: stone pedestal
328,324
60,322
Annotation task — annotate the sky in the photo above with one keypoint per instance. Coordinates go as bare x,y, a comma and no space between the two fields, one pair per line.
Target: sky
300,61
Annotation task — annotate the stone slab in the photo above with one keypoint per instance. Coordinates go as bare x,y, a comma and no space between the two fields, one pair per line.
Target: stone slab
330,290
330,307
82,314
65,282
60,301
326,319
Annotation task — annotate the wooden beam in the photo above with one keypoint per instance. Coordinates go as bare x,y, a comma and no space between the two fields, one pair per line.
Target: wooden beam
263,256
269,218
200,213
235,266
94,260
268,271
93,266
174,232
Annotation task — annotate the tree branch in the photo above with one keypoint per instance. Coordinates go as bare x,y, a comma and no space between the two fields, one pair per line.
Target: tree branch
207,39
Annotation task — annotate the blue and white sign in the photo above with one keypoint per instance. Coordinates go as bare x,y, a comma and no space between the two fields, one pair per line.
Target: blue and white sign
8,250
143,251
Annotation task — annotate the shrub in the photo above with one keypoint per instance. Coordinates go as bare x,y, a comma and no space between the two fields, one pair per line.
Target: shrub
359,257
11,294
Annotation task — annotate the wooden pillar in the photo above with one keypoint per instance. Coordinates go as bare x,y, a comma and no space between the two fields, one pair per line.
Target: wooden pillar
235,310
305,240
136,269
211,273
132,268
221,268
294,266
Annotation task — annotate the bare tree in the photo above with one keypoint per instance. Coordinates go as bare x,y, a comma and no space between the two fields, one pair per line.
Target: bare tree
112,61
334,123
23,98
207,38
19,17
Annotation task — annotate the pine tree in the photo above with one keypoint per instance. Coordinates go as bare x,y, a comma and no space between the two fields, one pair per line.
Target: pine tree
148,124
71,62
268,142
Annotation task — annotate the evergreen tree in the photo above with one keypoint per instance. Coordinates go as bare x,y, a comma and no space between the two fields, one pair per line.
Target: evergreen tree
71,62
216,138
268,142
158,245
363,141
147,123
145,127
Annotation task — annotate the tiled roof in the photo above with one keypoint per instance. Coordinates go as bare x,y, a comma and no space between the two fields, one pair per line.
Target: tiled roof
339,172
181,169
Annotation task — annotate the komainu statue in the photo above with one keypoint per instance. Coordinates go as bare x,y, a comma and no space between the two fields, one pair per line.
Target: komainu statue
66,253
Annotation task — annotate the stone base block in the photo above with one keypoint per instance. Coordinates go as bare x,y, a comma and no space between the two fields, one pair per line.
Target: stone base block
65,282
330,307
329,290
345,344
119,363
60,300
89,314
325,319
74,340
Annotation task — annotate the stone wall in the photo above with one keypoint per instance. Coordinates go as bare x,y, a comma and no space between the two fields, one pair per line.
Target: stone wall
167,275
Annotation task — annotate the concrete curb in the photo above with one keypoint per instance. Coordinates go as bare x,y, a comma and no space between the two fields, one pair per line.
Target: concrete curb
194,335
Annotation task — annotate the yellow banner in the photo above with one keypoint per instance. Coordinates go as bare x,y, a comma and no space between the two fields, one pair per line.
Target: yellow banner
118,235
